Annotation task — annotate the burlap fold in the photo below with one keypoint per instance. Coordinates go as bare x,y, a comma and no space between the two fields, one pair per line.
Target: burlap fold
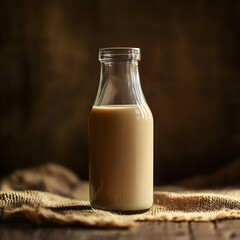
43,207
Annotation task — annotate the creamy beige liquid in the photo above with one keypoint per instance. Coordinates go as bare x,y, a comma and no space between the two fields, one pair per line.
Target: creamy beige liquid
121,157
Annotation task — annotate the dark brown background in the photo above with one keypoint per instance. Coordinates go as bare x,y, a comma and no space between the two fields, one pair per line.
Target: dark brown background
189,72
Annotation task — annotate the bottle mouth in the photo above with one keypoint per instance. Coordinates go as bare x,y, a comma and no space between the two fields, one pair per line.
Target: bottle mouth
119,54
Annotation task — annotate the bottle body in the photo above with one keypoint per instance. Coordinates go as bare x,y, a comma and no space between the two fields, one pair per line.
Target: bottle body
121,154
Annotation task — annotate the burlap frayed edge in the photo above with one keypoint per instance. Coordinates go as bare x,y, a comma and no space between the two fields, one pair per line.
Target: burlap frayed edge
42,216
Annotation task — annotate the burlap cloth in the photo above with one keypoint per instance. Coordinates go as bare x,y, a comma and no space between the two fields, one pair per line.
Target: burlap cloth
51,194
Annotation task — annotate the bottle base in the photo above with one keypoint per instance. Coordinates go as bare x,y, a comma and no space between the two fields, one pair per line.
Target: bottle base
120,212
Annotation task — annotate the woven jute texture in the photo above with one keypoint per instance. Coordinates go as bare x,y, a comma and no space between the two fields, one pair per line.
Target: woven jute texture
51,194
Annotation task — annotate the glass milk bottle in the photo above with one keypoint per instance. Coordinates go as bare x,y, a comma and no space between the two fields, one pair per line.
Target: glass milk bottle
120,136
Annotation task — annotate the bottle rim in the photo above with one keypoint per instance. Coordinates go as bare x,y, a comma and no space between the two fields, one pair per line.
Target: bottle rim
119,54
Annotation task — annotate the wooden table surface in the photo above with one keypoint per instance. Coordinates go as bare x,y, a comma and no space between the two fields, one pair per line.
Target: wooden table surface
225,229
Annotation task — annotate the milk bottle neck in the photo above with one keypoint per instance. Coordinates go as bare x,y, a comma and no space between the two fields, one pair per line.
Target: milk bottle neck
119,84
